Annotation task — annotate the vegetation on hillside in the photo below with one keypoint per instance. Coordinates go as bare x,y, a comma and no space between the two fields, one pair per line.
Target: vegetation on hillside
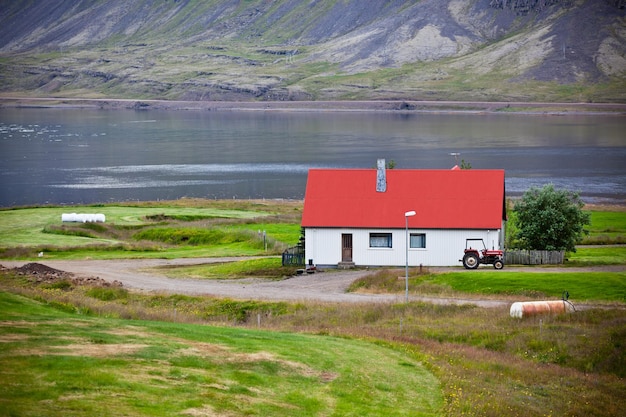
324,50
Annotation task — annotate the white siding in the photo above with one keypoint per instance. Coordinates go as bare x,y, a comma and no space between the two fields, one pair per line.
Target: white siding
443,247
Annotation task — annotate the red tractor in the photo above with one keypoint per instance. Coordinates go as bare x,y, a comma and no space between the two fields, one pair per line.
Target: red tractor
472,257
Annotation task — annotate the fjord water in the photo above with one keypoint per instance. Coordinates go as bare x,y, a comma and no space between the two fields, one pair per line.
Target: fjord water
78,156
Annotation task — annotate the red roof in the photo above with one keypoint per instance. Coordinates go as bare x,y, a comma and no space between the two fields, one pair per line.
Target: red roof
442,199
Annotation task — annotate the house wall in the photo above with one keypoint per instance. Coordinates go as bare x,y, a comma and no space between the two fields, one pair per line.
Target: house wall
443,247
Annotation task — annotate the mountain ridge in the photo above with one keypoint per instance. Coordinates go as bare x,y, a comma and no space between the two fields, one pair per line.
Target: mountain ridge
541,50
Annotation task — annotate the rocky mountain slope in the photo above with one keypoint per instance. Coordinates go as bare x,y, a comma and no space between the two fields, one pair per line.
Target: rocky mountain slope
546,50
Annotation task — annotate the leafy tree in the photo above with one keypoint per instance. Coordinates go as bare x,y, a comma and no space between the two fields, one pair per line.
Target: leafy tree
510,237
549,219
465,164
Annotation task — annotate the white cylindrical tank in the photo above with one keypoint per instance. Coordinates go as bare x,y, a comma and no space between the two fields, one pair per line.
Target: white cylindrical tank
532,308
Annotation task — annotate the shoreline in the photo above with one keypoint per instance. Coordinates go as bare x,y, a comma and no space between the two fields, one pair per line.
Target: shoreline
404,106
194,201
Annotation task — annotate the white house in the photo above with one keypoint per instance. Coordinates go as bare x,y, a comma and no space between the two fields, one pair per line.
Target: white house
357,216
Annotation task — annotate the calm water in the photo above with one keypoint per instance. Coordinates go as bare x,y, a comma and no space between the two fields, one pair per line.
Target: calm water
70,156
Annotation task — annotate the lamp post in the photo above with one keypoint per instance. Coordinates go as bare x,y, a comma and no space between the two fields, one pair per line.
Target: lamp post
406,268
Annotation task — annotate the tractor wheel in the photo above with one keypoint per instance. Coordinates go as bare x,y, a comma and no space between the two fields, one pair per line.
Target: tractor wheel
470,261
498,264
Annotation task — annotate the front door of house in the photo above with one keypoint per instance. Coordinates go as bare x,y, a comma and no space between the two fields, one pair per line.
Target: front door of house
346,247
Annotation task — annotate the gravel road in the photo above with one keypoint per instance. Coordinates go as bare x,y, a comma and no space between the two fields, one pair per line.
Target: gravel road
329,286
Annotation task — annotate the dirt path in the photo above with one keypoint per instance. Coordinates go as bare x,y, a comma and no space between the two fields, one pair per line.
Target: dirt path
330,286
140,274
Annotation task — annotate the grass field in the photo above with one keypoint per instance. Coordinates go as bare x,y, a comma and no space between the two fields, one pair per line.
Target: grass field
582,286
70,349
607,227
26,226
598,255
58,364
202,228
485,362
532,284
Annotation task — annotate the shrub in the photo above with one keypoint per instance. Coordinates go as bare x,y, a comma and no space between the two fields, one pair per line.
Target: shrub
107,293
63,285
549,219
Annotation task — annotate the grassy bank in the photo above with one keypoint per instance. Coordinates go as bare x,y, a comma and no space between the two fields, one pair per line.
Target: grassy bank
56,364
588,286
486,362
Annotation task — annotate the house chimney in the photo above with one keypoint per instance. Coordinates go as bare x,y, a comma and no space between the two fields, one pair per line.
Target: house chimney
381,176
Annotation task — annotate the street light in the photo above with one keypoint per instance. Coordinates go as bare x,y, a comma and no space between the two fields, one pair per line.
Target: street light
406,268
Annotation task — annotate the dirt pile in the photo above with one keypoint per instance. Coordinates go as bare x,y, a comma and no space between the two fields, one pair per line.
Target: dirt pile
43,274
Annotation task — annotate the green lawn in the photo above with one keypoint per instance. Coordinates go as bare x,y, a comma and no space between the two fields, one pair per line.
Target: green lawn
582,286
607,227
163,230
598,255
55,363
26,226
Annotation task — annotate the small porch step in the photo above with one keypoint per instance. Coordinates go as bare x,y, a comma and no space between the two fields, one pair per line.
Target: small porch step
346,265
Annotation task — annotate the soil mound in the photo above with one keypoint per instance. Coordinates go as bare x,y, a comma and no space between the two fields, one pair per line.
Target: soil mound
34,268
43,274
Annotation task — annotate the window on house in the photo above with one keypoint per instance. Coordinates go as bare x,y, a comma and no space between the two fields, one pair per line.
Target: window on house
417,240
380,240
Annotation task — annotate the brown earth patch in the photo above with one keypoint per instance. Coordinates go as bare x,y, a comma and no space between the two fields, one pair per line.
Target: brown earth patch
13,337
130,331
16,323
43,274
95,350
205,411
222,353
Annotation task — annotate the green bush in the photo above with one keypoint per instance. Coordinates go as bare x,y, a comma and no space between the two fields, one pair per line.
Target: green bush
550,219
58,285
61,306
107,293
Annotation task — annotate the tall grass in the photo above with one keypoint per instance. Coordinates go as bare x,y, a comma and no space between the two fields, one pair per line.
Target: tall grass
487,362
